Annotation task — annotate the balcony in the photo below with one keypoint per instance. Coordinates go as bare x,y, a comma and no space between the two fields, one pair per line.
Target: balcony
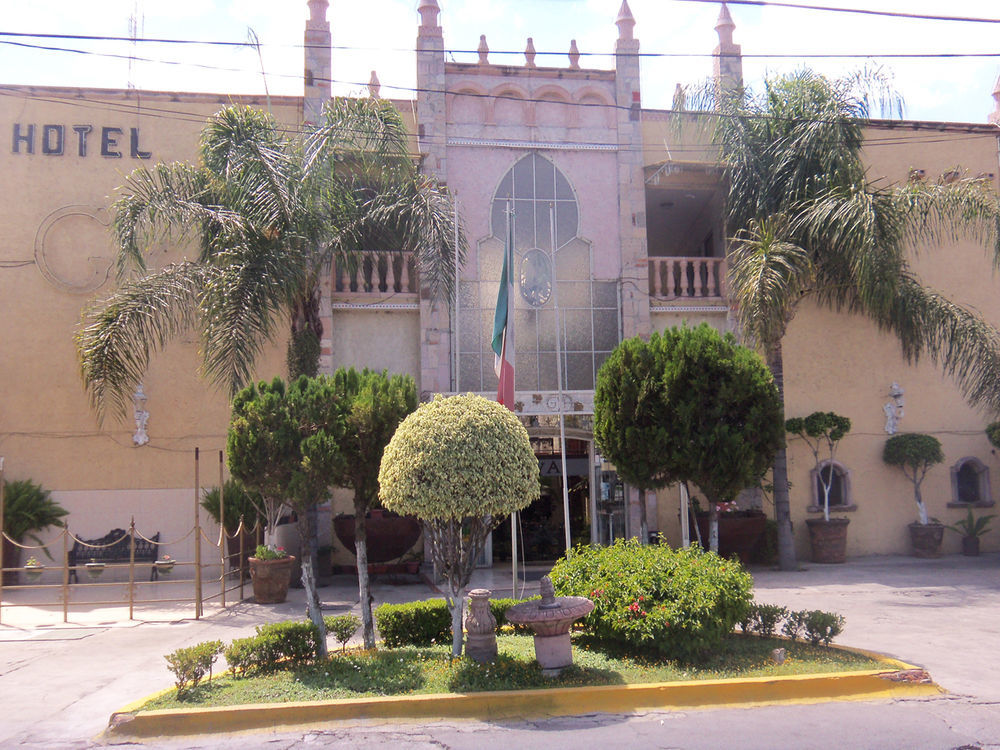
679,280
374,278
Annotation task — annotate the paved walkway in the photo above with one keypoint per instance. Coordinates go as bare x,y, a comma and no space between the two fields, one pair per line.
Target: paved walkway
61,682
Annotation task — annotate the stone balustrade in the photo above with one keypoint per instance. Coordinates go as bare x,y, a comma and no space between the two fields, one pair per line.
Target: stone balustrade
679,278
376,274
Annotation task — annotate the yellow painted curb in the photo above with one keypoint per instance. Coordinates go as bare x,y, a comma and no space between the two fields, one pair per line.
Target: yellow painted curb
907,681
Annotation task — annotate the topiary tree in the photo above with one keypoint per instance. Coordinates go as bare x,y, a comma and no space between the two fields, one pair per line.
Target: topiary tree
374,404
285,444
993,434
461,465
914,453
821,429
688,405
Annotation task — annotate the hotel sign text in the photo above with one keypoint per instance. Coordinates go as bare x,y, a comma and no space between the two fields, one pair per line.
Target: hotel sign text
58,140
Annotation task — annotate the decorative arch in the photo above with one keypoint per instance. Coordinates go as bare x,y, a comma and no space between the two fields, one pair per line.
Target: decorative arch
970,483
510,105
470,103
597,109
553,106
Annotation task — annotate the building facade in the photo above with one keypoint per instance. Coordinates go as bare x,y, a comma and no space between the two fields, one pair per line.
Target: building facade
619,231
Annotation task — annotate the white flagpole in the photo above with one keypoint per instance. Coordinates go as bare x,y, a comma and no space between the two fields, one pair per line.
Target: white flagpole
559,378
458,301
509,248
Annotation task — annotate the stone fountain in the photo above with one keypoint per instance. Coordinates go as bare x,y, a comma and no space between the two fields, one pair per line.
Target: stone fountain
551,619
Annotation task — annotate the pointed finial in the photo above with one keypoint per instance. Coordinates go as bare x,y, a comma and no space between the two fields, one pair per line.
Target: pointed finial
725,26
317,11
679,97
484,50
574,55
374,86
428,10
625,23
529,54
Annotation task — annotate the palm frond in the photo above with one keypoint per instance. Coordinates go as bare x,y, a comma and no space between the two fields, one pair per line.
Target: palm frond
120,332
767,276
243,298
956,338
167,201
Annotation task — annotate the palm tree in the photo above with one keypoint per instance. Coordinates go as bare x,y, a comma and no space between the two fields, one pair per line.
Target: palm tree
807,222
271,209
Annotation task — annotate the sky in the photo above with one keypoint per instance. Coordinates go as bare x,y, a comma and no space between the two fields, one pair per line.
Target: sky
380,35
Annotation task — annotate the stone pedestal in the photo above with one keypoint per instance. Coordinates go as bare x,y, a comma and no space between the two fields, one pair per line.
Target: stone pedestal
480,628
553,652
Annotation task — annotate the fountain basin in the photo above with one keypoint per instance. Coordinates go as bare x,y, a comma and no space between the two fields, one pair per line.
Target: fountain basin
550,619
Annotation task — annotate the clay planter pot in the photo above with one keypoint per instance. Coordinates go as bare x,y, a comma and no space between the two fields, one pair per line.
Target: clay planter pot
271,579
926,539
389,535
739,532
970,546
828,539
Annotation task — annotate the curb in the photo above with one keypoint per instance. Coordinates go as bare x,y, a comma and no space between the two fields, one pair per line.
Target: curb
907,681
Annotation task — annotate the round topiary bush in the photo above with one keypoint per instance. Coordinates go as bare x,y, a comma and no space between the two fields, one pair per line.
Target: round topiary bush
461,465
677,603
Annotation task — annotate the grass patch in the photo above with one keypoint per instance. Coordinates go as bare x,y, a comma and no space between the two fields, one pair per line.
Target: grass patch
415,671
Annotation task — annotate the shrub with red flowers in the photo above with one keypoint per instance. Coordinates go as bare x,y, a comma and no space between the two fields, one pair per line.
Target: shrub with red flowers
676,603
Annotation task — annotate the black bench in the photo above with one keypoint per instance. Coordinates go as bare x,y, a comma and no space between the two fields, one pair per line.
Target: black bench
115,553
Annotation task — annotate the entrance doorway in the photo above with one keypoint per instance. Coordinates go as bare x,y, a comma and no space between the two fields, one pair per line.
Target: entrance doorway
541,528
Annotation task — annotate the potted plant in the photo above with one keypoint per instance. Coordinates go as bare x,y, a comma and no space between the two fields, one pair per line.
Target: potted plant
27,508
164,565
822,431
271,571
33,569
915,453
239,503
740,530
971,528
95,568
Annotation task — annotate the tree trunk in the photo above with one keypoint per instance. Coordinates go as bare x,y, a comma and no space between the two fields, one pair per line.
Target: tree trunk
713,526
364,585
782,504
457,636
307,529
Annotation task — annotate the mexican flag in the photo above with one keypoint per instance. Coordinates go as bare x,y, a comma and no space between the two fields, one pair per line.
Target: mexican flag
503,322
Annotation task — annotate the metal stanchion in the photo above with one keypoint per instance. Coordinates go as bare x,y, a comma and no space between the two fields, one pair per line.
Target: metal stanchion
222,534
131,569
197,539
65,584
241,531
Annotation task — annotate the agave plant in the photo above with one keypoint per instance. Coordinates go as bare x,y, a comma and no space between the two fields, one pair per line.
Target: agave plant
972,526
29,508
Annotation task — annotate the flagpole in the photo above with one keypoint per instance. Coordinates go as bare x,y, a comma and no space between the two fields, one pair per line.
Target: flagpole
458,301
559,377
508,280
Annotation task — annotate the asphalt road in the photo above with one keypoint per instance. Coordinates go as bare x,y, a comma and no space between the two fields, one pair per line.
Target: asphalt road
58,686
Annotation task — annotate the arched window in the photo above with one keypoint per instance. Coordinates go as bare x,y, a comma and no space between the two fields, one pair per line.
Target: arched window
970,482
840,486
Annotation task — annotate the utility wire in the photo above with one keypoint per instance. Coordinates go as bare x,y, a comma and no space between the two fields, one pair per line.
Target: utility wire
859,11
662,55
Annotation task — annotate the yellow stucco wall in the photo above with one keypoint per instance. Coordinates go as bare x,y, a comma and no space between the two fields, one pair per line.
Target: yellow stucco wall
48,432
841,362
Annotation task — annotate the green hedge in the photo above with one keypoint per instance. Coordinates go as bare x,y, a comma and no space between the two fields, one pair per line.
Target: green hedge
675,603
288,643
414,623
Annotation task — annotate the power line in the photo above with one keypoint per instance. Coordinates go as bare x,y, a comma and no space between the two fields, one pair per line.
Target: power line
347,48
859,11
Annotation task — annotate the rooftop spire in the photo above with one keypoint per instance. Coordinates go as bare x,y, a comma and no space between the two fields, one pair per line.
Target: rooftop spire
725,26
625,22
429,11
374,86
483,50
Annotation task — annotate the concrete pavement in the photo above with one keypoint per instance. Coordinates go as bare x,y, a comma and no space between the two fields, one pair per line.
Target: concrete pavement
61,683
